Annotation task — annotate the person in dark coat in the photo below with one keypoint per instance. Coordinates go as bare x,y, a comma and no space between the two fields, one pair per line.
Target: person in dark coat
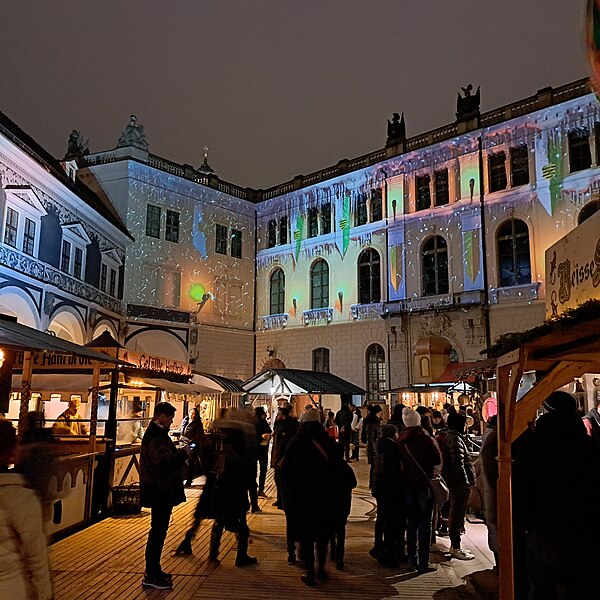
420,456
489,470
343,419
230,495
193,431
396,417
284,429
161,488
263,437
310,468
459,474
562,477
344,484
371,432
390,524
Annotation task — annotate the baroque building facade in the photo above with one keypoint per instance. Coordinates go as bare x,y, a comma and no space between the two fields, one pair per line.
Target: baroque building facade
383,269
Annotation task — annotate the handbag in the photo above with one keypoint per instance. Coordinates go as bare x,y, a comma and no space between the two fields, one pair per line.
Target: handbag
437,485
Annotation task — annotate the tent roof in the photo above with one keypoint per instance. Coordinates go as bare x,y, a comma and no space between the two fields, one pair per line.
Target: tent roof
227,384
16,336
174,387
297,381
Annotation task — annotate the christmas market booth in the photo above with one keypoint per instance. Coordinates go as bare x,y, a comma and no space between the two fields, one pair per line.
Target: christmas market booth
272,388
563,351
226,393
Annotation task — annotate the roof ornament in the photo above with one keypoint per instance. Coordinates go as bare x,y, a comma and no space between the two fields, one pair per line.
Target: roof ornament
205,168
467,106
133,136
76,145
396,130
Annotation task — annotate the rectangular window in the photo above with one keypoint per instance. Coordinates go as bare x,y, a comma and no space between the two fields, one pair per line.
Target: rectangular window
283,230
11,227
113,282
442,193
313,222
103,275
220,239
172,227
360,216
497,171
78,263
29,237
326,218
272,234
376,205
321,360
519,166
580,156
65,257
153,221
236,243
423,192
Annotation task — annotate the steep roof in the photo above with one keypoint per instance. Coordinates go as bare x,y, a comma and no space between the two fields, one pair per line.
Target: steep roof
100,204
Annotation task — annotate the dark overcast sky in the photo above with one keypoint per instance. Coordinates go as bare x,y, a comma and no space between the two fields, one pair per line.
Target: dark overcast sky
274,88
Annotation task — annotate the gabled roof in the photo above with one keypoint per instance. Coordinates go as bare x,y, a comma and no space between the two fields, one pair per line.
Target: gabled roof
298,381
24,141
228,385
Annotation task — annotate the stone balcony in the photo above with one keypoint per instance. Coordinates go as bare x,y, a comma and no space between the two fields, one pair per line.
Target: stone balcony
317,316
515,293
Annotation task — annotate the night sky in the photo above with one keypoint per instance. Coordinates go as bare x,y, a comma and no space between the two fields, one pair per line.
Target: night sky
274,88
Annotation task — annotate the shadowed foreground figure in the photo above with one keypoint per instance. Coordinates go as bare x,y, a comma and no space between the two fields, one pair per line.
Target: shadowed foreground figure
310,469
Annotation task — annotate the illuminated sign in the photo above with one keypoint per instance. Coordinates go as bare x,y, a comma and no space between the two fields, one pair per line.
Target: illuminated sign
573,268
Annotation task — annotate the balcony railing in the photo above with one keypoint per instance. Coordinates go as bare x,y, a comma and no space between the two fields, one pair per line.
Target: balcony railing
360,312
270,322
28,265
515,293
317,316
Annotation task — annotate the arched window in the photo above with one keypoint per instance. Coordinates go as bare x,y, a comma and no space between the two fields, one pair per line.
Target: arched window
435,266
588,210
376,381
514,262
277,292
369,285
320,360
319,284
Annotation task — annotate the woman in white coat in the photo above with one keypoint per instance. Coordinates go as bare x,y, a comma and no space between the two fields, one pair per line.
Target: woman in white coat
24,568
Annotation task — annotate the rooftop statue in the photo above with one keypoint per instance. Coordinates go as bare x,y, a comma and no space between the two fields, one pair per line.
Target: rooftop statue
76,146
205,168
396,129
467,105
133,135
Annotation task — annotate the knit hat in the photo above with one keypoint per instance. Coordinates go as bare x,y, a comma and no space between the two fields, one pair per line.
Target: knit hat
389,431
561,402
411,418
311,415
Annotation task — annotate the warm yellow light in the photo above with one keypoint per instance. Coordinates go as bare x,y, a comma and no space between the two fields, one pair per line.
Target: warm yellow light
136,382
1,357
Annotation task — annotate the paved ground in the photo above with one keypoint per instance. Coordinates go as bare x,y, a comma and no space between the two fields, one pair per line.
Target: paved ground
105,561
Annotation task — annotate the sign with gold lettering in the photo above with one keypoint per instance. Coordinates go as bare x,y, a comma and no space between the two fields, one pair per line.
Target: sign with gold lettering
573,268
159,364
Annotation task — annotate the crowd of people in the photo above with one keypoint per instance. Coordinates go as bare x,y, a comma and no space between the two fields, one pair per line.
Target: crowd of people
554,472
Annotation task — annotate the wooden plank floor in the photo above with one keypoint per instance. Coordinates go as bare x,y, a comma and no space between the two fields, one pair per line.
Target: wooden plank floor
106,560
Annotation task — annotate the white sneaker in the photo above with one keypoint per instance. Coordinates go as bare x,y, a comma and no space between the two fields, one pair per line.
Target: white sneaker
461,554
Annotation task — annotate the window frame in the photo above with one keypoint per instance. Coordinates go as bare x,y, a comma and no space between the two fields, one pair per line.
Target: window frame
153,219
11,227
511,241
376,205
321,360
497,171
422,192
579,149
519,163
440,176
361,216
172,221
277,294
434,254
272,233
283,230
319,282
376,372
369,274
325,218
312,229
221,235
236,243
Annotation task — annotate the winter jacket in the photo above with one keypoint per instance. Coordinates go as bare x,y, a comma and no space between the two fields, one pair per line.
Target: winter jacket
161,468
424,451
193,431
283,431
458,468
371,432
387,470
24,570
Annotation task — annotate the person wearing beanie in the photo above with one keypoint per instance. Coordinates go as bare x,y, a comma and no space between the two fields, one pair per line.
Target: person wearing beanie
371,432
420,455
396,418
459,473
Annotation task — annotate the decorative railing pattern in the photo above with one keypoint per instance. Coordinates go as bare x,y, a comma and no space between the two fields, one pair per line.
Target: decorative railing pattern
317,316
360,312
515,293
28,265
274,321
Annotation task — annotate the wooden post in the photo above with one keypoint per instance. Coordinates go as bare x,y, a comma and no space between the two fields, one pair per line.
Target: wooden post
94,406
25,391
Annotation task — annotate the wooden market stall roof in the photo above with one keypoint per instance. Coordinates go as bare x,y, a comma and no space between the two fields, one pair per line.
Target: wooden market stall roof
558,351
